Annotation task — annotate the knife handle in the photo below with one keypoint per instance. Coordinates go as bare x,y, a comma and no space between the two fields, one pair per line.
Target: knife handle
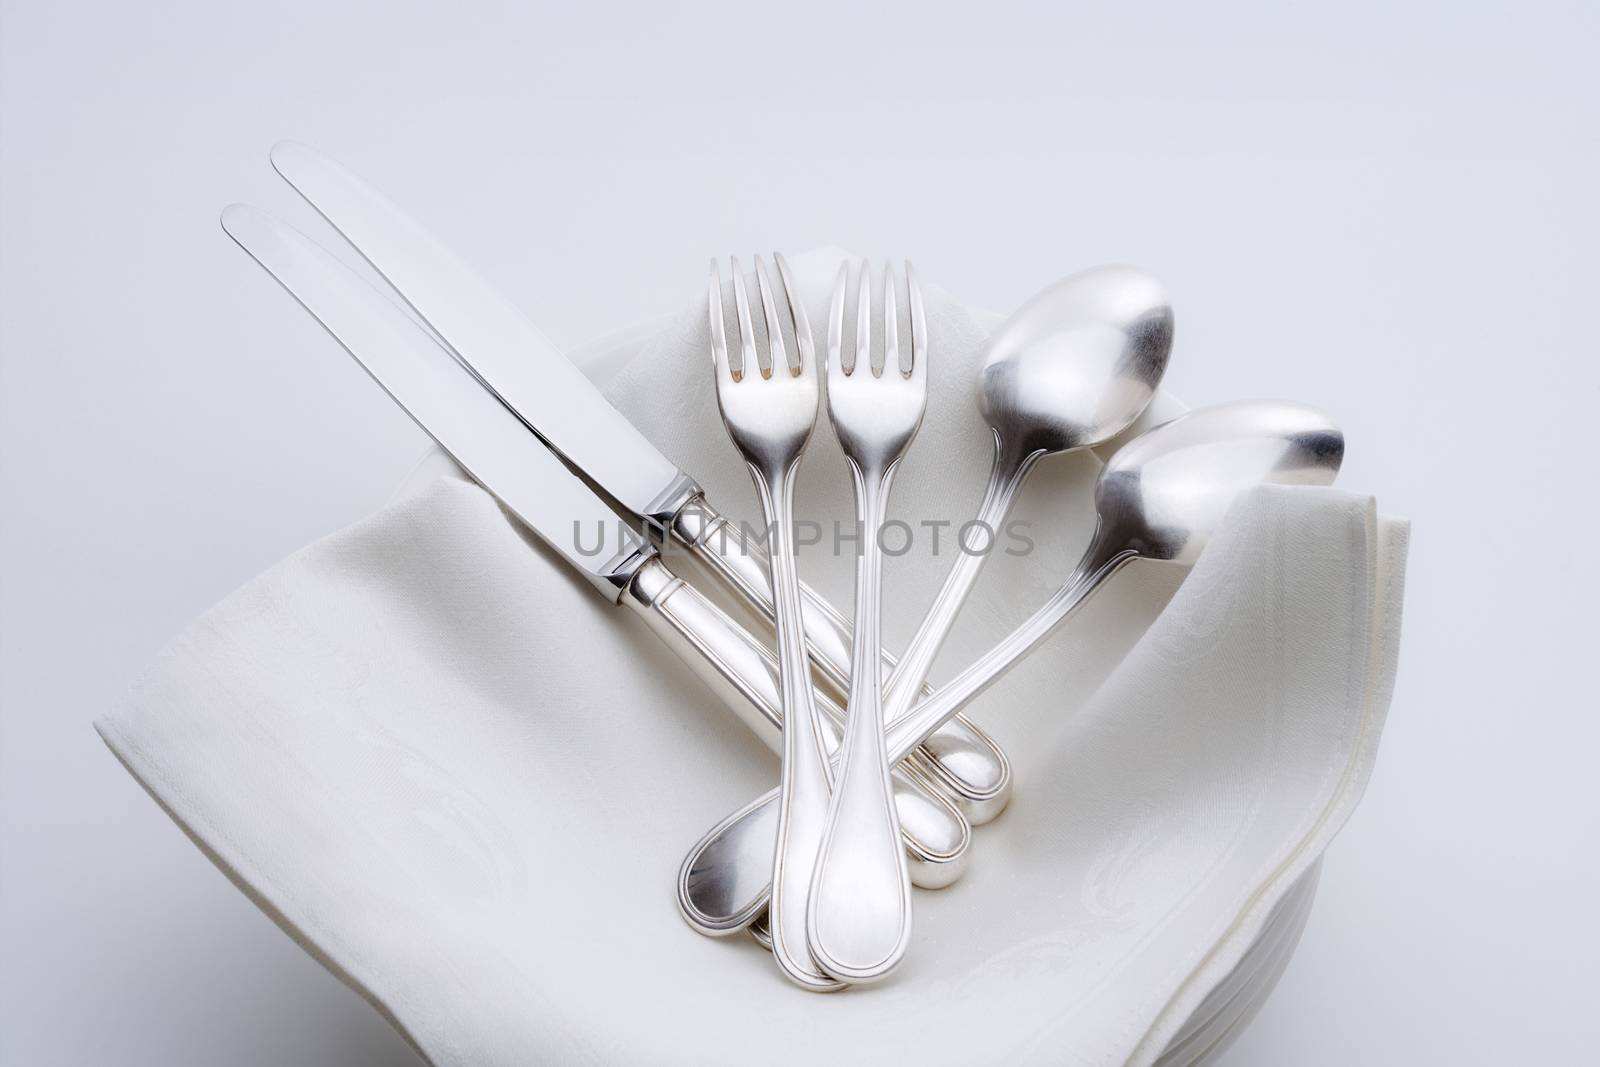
959,758
744,673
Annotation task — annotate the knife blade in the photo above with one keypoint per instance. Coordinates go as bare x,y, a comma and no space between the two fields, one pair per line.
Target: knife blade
536,487
515,361
489,443
499,344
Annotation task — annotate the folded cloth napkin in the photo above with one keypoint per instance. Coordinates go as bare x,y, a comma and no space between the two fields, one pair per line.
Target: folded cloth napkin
464,782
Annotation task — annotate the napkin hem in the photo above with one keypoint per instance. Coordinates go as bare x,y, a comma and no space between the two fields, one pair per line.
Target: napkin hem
1390,540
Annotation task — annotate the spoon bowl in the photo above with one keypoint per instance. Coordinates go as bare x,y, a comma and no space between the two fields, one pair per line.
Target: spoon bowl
1164,493
1076,364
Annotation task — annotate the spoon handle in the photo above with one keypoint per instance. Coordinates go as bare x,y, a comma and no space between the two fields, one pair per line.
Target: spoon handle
906,734
1005,478
859,918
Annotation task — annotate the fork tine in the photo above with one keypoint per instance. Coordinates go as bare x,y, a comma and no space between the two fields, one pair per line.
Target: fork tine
836,322
891,323
747,332
864,319
797,311
919,325
777,351
719,334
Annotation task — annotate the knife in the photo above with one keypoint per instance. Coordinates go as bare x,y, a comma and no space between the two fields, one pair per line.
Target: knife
513,360
496,449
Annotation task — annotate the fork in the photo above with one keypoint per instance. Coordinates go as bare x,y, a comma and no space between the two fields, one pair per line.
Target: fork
770,411
859,918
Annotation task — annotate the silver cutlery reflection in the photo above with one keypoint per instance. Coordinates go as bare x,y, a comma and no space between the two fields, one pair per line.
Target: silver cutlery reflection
1070,369
770,409
1160,497
859,917
509,355
498,451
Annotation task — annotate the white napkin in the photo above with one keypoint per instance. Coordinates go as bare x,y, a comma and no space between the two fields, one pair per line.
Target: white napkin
464,782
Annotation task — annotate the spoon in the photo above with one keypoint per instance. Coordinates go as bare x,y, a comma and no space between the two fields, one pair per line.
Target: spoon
1070,369
1160,497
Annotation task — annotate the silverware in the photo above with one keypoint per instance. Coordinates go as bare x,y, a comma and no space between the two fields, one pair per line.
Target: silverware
1161,496
1070,369
770,409
859,917
497,450
509,355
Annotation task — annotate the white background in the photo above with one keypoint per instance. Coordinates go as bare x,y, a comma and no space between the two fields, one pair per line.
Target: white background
1386,210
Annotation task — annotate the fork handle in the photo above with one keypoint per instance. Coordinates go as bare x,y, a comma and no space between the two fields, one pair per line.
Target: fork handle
744,672
858,921
964,761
